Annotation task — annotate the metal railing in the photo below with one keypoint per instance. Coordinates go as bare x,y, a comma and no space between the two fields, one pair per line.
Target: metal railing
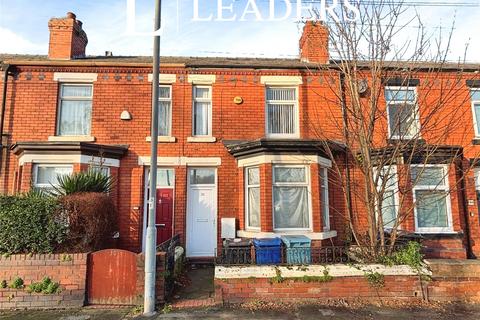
297,256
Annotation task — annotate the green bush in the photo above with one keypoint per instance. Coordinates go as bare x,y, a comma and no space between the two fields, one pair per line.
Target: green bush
410,255
17,283
28,224
81,182
46,286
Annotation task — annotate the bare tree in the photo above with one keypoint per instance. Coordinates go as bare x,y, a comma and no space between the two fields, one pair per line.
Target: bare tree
402,110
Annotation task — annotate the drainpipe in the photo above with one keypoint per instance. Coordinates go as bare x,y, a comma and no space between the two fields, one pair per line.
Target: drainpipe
346,135
6,68
466,212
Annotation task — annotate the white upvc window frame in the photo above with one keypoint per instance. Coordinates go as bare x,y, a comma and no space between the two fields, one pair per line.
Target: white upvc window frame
389,187
307,183
294,135
203,100
443,188
247,204
324,197
61,98
475,102
44,186
396,102
170,100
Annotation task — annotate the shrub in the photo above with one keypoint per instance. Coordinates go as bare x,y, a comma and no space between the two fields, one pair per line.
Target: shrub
85,181
91,221
17,283
410,255
28,224
46,286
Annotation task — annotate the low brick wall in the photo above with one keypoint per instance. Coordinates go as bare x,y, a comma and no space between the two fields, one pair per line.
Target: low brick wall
452,280
69,270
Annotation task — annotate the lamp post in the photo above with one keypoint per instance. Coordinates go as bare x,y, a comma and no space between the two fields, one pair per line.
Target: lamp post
151,239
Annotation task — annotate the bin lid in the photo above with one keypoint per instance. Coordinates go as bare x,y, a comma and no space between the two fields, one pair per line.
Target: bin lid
267,242
237,243
296,241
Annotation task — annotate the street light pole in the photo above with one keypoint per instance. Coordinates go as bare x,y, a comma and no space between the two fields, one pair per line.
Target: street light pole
151,239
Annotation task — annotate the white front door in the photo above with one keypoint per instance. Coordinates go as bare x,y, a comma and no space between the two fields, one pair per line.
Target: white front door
202,212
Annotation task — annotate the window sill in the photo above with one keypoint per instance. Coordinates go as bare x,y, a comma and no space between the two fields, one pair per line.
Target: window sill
440,235
476,141
311,235
162,139
71,139
201,139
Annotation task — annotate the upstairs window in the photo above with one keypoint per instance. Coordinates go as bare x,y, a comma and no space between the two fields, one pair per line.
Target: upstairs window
402,112
75,110
45,176
291,209
475,94
431,198
202,111
165,111
282,112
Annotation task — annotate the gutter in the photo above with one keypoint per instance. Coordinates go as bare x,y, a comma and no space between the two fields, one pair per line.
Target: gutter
6,68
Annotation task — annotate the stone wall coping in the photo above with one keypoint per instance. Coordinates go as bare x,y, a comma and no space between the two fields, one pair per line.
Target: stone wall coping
46,256
336,270
432,262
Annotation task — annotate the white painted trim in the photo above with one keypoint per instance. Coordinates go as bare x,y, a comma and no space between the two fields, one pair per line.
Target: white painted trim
281,80
71,139
164,78
162,139
283,159
335,270
202,78
201,139
74,77
66,159
181,161
311,235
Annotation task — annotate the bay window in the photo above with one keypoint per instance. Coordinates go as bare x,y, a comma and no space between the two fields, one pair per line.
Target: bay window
45,176
165,111
387,187
431,198
75,110
291,208
252,197
202,111
402,112
282,112
324,199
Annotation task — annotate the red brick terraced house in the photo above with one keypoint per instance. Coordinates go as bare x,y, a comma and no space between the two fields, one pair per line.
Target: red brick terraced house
237,139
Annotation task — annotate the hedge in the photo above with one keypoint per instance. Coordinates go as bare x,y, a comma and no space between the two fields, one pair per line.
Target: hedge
28,224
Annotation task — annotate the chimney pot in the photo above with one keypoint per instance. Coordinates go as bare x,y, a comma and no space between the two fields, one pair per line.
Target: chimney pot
71,15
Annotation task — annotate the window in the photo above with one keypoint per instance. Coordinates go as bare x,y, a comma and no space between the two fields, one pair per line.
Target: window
202,111
324,199
430,195
475,94
477,187
165,111
252,197
387,185
282,112
75,110
101,169
202,176
45,175
291,208
165,177
402,112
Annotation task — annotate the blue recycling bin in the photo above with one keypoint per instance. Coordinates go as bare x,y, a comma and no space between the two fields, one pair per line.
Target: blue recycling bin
298,249
268,251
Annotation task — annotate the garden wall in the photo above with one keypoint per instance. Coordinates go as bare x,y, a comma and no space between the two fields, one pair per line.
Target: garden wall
451,280
69,270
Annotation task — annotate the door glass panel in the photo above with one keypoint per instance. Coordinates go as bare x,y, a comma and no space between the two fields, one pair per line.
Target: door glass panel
202,176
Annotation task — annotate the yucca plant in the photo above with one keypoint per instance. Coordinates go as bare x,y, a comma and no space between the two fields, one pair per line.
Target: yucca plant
86,181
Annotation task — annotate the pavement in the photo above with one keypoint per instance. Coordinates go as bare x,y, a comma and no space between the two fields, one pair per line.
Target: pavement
449,311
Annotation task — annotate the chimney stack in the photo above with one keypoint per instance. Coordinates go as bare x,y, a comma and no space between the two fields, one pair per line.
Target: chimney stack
67,38
314,43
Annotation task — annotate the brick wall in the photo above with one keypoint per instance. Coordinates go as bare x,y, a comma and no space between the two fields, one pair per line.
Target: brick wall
452,280
69,270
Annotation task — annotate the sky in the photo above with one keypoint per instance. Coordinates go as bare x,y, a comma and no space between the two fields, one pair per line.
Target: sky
24,29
